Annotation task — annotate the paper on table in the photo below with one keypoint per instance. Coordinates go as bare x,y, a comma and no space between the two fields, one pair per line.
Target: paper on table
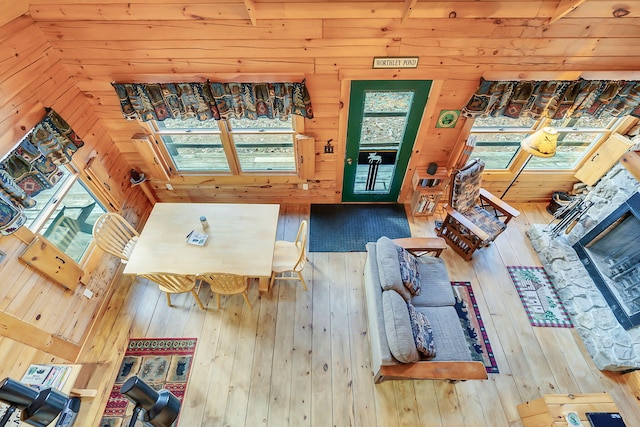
198,239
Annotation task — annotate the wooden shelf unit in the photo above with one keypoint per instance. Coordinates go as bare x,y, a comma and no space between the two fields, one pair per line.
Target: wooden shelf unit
551,409
427,191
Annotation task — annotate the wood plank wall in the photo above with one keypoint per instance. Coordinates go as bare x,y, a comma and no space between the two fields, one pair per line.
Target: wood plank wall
65,53
329,43
33,310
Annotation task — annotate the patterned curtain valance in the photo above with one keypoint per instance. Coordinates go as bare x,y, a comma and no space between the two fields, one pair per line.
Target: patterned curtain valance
32,167
209,100
554,99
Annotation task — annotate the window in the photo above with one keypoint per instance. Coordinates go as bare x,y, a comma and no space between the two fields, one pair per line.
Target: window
229,146
498,140
65,215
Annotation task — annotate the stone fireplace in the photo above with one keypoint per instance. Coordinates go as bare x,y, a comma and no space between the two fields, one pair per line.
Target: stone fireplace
611,346
611,254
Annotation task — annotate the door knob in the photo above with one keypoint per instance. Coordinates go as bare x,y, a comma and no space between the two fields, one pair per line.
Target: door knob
349,160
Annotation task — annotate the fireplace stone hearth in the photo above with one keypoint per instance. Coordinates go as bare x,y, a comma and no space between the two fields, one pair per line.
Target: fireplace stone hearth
611,346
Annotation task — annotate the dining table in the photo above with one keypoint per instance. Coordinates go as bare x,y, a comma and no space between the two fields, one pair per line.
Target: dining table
240,239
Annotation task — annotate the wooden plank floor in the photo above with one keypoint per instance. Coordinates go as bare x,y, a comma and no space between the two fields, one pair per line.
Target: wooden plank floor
302,358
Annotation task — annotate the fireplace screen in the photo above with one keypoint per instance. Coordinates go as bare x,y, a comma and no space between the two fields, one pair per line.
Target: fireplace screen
611,255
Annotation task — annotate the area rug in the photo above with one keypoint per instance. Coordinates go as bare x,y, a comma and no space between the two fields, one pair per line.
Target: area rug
473,326
539,298
163,363
348,228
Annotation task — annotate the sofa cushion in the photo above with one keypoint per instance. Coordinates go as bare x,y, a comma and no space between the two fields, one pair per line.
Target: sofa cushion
398,328
422,333
389,267
447,334
436,286
380,353
409,270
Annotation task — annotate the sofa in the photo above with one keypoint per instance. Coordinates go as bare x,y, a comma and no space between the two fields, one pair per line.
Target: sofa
394,354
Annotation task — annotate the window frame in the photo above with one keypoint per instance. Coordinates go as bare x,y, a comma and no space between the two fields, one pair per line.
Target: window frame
50,208
225,132
520,156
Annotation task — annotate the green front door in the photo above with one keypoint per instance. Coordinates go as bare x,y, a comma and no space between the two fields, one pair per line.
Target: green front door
384,117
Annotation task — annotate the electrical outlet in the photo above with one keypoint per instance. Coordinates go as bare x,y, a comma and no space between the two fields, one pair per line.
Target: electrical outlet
169,187
305,186
88,293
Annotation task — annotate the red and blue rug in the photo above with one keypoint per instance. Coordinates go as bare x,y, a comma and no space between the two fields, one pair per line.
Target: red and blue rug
473,325
539,297
162,363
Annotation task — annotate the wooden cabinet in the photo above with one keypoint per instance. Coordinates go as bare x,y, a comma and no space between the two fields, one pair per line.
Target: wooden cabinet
552,409
428,190
604,158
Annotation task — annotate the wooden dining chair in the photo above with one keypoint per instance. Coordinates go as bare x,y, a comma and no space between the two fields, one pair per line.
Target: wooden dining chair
114,235
290,258
174,284
226,284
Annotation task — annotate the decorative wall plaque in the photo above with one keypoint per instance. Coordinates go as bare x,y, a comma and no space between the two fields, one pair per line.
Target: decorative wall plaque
395,62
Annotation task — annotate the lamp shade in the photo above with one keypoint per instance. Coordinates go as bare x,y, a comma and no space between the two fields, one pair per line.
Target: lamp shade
542,143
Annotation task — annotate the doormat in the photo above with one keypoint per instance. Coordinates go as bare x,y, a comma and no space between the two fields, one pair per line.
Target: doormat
539,298
163,363
473,326
348,228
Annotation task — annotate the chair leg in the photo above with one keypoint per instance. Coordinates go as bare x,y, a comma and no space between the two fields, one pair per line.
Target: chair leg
272,280
304,284
218,300
245,295
195,295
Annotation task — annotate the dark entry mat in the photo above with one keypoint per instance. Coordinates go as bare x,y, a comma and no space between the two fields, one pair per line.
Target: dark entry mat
348,228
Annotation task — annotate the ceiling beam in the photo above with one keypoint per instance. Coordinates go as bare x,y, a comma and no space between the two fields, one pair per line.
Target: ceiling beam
251,10
408,7
564,7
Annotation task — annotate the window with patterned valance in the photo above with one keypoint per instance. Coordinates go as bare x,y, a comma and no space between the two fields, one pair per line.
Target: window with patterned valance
584,112
33,166
223,128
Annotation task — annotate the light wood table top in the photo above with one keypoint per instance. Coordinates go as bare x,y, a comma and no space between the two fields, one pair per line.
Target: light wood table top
241,240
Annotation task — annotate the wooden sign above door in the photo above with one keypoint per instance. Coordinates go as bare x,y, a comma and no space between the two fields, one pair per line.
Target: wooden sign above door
395,62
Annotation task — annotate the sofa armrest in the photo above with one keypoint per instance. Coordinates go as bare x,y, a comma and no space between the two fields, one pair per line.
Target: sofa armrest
504,208
419,246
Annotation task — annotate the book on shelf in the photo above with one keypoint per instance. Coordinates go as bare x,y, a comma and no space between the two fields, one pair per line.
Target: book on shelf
429,182
41,377
426,203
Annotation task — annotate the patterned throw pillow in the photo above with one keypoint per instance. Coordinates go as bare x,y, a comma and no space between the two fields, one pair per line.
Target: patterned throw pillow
409,270
422,332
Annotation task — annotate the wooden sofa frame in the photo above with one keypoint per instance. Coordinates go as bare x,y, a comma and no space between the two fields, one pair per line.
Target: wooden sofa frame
425,369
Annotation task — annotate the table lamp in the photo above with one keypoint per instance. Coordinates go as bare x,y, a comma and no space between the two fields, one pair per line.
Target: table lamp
161,407
39,408
542,143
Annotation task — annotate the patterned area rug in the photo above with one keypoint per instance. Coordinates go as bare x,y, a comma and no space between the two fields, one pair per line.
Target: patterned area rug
348,228
473,326
161,363
539,298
